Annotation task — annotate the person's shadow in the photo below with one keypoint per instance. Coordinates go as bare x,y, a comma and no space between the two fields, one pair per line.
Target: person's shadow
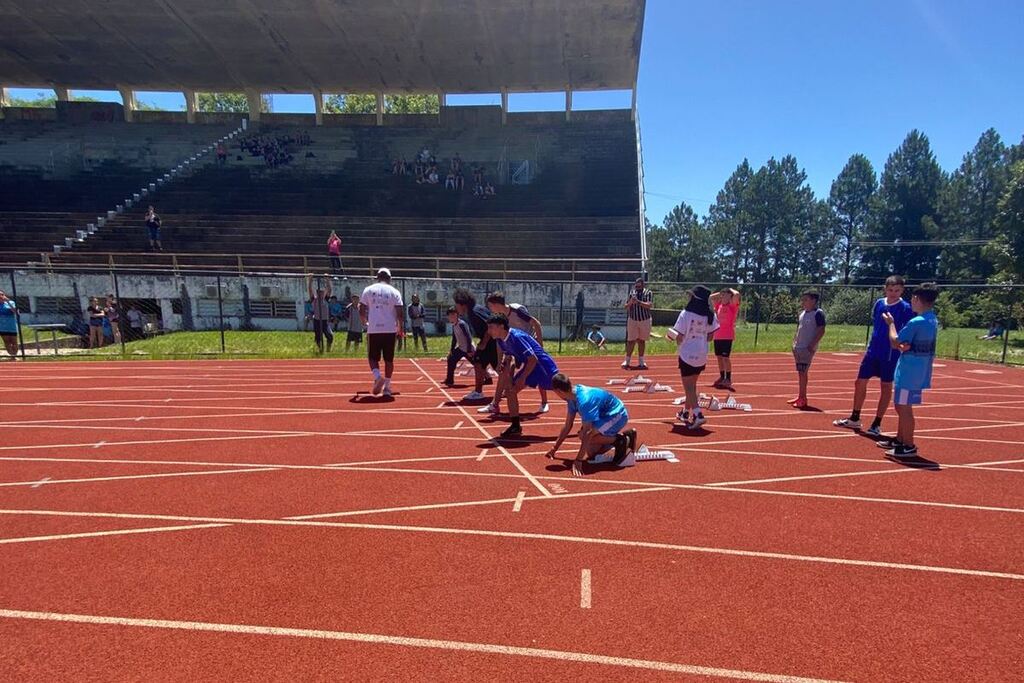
916,462
366,397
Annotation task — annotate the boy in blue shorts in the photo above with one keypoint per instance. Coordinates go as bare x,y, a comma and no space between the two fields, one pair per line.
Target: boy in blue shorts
604,422
916,342
881,358
533,367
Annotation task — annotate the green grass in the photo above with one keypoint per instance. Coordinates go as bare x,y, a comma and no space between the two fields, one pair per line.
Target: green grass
963,343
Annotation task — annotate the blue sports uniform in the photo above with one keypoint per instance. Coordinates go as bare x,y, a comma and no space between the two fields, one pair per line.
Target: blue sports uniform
880,359
599,408
8,318
521,346
914,370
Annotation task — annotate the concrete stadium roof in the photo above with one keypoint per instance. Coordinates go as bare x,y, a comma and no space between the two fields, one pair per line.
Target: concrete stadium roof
458,46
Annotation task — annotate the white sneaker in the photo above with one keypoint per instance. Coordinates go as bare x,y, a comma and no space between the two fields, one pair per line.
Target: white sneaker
698,420
387,390
625,364
489,408
544,407
378,385
473,396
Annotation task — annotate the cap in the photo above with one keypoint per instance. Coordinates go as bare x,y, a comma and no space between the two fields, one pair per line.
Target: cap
701,292
383,271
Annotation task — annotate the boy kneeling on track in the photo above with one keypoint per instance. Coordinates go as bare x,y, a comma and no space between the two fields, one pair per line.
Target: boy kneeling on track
604,419
525,363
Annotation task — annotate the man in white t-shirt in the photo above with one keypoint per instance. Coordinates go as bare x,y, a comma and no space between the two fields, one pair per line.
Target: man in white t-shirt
380,307
693,330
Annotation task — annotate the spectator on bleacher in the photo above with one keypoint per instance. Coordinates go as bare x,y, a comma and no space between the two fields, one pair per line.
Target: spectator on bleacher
222,153
449,180
424,155
478,175
432,178
136,323
460,181
403,166
153,226
113,313
456,163
9,324
334,251
96,316
419,175
489,190
395,167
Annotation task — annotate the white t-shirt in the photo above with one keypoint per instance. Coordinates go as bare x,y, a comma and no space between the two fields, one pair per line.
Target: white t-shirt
380,300
694,329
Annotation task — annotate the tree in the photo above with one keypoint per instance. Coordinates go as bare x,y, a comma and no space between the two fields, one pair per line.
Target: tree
683,248
907,210
850,200
393,104
1007,250
969,205
730,217
42,100
234,102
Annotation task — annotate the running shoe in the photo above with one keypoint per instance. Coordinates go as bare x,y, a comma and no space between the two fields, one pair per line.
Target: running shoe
631,437
799,404
793,400
378,385
698,420
848,423
888,443
725,384
489,408
387,391
621,448
642,366
874,430
902,451
473,396
513,430
544,407
683,416
625,365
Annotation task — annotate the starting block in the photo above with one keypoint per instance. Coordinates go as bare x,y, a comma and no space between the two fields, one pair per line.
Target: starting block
644,454
732,404
647,388
712,403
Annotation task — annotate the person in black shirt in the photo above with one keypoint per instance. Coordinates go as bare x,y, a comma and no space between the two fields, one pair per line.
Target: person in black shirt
486,353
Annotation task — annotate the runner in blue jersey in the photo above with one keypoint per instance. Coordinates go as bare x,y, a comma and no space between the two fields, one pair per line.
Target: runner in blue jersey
533,367
604,419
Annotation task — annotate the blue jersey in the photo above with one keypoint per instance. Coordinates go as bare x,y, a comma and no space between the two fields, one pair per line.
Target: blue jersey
914,370
521,346
594,405
8,318
879,346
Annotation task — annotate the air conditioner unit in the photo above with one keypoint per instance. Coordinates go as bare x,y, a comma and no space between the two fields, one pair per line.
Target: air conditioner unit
211,292
267,292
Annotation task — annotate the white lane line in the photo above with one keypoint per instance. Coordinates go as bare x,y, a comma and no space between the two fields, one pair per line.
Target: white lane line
39,483
101,443
837,475
115,532
483,454
518,505
504,451
585,589
198,473
458,424
403,641
586,540
429,389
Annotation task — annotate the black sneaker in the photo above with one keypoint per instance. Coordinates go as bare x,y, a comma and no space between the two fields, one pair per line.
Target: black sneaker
630,434
513,430
902,451
621,448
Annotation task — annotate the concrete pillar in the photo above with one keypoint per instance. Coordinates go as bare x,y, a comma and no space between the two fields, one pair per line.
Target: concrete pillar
191,105
318,106
442,102
5,98
568,105
129,102
63,94
255,104
632,114
380,109
504,106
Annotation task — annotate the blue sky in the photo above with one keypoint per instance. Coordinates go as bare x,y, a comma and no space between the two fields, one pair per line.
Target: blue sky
819,79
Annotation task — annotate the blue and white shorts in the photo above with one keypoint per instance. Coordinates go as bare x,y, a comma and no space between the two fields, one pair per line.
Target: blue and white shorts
908,397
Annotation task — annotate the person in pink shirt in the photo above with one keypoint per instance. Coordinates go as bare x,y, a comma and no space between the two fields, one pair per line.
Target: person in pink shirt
727,308
334,251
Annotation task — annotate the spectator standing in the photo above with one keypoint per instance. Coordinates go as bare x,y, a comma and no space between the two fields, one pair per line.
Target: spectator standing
113,313
354,323
638,322
9,324
417,317
96,317
334,251
153,223
337,310
321,311
222,153
727,308
136,323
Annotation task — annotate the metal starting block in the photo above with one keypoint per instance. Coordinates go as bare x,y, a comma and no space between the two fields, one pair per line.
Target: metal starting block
712,403
644,454
647,388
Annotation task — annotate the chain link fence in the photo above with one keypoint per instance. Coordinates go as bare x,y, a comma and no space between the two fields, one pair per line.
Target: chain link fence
156,313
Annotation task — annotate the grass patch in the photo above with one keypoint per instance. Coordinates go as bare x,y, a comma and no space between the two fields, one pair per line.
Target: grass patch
962,343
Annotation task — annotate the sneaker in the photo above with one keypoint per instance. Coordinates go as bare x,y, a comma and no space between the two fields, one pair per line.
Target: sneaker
630,435
378,384
625,365
902,451
698,420
888,443
873,430
642,366
473,396
489,408
513,430
387,391
683,416
544,407
621,449
848,423
799,404
725,384
448,384
793,400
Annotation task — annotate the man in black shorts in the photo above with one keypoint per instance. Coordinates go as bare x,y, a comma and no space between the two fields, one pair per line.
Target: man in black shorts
486,354
381,309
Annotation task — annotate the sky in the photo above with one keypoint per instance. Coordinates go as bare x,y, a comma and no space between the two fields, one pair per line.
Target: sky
725,80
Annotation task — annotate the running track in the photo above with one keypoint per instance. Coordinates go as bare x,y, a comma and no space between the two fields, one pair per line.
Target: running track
263,520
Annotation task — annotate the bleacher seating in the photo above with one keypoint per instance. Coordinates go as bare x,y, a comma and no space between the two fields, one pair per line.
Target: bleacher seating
582,201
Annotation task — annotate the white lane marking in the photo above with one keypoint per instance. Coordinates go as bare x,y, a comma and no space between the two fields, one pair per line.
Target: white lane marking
98,444
426,643
458,424
453,531
518,505
504,451
585,589
429,389
115,532
836,475
198,473
39,483
482,455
